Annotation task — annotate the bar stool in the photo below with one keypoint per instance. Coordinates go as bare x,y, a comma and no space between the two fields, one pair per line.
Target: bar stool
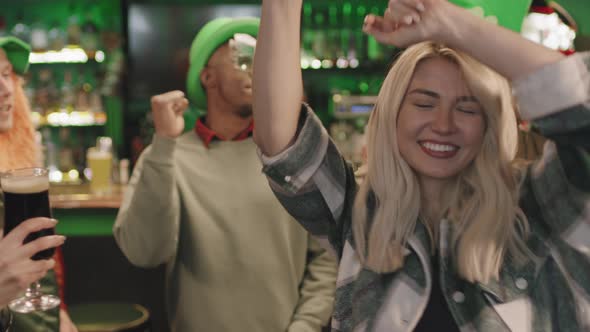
110,317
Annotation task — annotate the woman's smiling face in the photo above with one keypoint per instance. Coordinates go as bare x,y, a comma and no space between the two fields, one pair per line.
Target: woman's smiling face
440,126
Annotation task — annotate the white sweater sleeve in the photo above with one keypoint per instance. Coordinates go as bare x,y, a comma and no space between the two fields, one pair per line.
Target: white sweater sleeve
147,224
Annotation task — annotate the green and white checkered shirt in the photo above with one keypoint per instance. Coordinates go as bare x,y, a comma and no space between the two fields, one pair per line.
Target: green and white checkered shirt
549,293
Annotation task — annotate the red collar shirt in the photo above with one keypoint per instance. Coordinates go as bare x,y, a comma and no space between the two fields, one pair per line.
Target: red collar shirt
208,135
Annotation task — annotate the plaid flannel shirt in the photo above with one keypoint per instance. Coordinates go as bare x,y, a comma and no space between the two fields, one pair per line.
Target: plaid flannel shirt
551,292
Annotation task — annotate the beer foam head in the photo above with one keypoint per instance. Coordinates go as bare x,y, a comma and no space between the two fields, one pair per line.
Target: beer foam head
25,185
94,153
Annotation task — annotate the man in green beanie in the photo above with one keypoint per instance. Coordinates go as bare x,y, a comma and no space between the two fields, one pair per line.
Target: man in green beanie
18,149
198,202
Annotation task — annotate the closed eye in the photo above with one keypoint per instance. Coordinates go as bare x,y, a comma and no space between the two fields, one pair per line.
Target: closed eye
468,111
423,106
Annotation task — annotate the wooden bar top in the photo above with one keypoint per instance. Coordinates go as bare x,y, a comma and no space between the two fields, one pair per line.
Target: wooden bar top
65,196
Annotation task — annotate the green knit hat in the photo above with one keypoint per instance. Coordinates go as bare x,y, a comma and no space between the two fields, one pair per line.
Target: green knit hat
17,52
209,38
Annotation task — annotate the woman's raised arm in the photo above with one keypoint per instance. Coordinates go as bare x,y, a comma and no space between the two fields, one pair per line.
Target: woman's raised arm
277,82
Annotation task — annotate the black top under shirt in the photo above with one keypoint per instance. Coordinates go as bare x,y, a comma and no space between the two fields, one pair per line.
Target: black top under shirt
437,316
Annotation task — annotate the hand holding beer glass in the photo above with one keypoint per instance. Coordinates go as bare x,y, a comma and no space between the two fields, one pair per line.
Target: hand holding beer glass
17,270
26,196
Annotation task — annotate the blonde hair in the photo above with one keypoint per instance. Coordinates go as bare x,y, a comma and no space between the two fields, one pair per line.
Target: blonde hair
481,202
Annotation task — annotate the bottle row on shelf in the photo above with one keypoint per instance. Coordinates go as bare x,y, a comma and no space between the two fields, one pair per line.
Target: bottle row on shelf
68,54
73,158
65,97
64,152
69,119
332,36
52,27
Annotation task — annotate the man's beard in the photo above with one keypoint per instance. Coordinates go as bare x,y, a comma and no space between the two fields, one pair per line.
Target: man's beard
245,111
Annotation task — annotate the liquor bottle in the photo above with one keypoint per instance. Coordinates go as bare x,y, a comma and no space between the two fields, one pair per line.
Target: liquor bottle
347,50
78,155
74,32
89,37
66,152
57,37
319,41
307,36
46,95
68,95
96,101
21,30
49,150
83,94
39,37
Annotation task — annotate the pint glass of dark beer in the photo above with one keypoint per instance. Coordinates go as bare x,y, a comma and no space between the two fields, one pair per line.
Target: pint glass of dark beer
26,195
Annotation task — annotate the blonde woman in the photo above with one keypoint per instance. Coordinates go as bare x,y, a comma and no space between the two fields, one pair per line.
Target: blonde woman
445,233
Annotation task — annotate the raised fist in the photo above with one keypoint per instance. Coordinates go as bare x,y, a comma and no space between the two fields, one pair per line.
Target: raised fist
167,111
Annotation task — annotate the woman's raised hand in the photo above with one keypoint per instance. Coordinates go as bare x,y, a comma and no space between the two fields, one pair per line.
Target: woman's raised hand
408,22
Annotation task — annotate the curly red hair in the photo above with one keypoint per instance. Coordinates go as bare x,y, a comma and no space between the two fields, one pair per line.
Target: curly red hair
18,148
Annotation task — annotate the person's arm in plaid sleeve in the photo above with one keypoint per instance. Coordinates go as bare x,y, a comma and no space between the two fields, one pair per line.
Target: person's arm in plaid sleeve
557,100
305,169
314,183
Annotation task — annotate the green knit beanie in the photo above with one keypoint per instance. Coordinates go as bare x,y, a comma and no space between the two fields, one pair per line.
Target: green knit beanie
209,38
17,52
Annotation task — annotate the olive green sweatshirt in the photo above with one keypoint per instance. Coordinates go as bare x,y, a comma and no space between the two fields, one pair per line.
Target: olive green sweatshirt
236,261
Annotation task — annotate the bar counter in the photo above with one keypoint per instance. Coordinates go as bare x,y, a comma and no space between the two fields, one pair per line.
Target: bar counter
82,213
96,269
80,197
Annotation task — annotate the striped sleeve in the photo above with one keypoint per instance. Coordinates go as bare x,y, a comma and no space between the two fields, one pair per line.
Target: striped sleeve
313,182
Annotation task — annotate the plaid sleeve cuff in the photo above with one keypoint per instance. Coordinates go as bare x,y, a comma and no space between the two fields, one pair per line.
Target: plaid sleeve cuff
294,167
538,94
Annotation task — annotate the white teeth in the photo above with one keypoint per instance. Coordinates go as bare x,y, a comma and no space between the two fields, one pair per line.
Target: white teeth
439,147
